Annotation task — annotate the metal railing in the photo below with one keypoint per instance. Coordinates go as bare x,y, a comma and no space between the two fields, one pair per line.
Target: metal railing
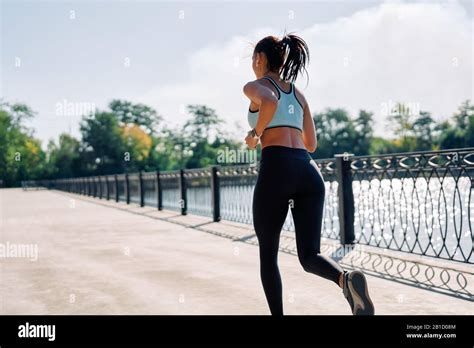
417,202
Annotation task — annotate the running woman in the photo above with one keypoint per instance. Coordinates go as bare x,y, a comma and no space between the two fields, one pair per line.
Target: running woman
280,119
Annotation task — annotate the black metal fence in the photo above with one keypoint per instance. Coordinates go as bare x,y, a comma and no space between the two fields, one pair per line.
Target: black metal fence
417,202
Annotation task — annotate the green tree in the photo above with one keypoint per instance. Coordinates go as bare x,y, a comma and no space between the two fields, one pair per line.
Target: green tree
137,146
461,118
21,156
201,137
400,119
104,150
363,132
424,131
203,124
380,145
122,139
335,133
171,149
459,132
138,114
64,159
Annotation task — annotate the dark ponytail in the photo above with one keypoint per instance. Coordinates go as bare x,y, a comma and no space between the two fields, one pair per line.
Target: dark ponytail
287,57
297,57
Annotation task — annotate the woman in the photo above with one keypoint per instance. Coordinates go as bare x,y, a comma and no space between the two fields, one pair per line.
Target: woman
281,120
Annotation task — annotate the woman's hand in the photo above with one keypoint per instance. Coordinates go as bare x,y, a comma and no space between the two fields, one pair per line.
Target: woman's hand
251,141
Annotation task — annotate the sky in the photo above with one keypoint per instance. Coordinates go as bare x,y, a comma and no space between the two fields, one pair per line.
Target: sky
366,55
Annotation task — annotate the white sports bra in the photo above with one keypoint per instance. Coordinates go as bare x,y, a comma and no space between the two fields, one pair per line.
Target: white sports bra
289,112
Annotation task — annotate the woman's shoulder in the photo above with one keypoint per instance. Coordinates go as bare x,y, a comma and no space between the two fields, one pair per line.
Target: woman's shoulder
252,84
300,96
258,82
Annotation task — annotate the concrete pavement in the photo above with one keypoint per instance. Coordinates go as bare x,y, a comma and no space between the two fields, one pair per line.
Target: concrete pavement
94,258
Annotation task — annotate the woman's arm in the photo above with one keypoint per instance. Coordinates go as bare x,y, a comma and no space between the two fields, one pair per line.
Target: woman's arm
309,130
265,98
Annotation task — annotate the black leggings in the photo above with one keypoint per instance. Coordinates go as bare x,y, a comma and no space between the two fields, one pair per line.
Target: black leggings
288,177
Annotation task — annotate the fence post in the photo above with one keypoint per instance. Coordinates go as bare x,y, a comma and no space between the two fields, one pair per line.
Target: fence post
89,186
127,189
346,198
94,187
107,196
159,193
216,194
182,188
99,183
142,189
116,188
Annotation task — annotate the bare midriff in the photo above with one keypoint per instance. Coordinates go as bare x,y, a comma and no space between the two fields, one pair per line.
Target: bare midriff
282,136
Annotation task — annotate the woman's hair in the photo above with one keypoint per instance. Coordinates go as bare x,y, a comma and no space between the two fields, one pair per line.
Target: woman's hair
287,57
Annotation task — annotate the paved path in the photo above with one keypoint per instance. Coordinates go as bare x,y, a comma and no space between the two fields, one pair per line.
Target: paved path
97,259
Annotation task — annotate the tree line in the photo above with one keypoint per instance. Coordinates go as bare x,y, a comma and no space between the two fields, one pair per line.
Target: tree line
129,137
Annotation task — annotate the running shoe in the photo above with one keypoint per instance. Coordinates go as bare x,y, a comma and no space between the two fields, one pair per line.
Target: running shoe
357,293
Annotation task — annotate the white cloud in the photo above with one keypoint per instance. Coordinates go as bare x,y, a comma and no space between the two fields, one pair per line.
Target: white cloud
418,53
